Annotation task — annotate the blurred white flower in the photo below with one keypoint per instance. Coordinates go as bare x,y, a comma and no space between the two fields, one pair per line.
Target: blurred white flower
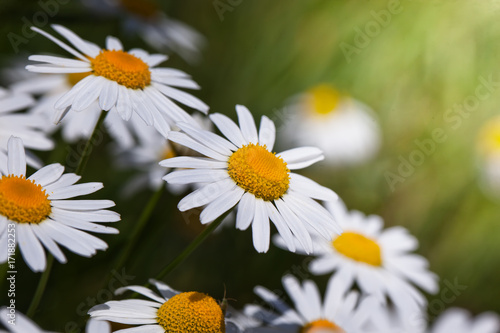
345,129
379,261
338,313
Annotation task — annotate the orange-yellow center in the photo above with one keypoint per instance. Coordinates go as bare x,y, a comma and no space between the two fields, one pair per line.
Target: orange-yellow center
122,67
323,99
191,312
321,326
259,172
74,78
23,201
359,248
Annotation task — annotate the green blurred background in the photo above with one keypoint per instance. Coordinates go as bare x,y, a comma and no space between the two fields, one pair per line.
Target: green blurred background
429,57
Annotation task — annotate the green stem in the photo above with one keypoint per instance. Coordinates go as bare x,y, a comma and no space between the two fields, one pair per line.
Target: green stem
41,287
90,144
139,226
191,247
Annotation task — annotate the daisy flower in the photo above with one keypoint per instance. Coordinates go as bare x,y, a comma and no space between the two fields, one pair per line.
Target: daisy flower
75,125
171,311
346,130
339,313
125,81
40,214
379,261
242,170
22,324
162,33
28,127
459,321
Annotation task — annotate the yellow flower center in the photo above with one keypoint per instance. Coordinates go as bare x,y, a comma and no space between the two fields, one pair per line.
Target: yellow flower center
324,99
489,138
143,8
74,78
23,201
191,312
259,172
122,67
359,248
321,326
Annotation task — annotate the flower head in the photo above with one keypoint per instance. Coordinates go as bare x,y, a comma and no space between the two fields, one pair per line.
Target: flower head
36,210
171,311
243,170
117,79
379,261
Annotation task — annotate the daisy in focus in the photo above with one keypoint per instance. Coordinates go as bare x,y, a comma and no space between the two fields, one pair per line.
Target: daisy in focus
30,128
126,82
344,129
242,170
171,311
488,152
37,211
379,261
162,33
339,312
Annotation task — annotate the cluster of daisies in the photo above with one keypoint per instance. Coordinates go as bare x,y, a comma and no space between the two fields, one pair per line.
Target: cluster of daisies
376,280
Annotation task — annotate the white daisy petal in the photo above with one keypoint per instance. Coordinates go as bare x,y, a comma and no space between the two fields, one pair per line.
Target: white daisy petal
260,227
86,47
228,128
47,241
221,145
185,140
141,290
221,205
247,124
16,157
113,43
205,194
31,249
195,176
299,158
267,133
192,162
182,97
246,211
74,191
90,93
124,103
48,174
108,95
65,62
310,188
61,44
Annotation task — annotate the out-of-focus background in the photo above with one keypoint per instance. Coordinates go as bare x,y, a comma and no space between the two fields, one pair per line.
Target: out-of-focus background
426,66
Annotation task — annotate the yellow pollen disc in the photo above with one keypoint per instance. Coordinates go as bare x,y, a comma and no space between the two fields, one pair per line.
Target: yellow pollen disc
489,137
324,99
191,312
23,201
359,248
143,8
259,172
167,153
122,67
321,326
